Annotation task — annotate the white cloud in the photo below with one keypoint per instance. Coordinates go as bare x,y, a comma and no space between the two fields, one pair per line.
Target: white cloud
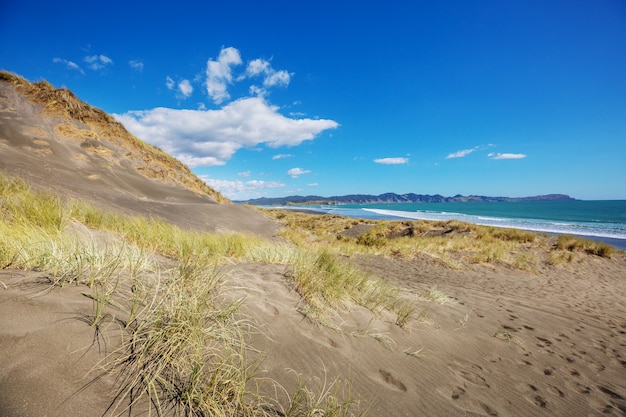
240,189
258,66
136,64
196,161
245,174
271,77
211,137
296,172
313,184
494,155
219,74
280,78
282,156
255,90
185,88
461,154
98,62
465,152
69,64
391,161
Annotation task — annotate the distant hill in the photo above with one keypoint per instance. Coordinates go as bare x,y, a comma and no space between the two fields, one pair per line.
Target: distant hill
387,198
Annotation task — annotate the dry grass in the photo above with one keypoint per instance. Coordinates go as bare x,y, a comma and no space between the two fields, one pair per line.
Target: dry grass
184,349
572,244
454,242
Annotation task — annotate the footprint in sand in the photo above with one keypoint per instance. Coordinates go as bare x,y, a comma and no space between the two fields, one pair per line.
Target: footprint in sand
490,411
392,380
469,372
556,391
546,342
457,393
333,343
463,401
536,399
613,396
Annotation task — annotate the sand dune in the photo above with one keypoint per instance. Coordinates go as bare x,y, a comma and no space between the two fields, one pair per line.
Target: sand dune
496,341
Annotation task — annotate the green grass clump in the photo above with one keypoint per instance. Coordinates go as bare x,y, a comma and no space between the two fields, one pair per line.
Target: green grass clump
324,280
571,243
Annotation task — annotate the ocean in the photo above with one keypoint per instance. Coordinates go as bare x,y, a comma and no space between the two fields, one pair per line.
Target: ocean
598,220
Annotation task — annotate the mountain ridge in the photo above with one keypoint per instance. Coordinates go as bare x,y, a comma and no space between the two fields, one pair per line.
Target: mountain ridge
388,198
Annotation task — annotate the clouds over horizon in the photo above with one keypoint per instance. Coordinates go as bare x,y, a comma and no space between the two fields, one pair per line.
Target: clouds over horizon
296,172
233,189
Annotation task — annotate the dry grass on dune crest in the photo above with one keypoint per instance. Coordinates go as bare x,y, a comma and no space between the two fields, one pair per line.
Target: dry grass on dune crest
79,118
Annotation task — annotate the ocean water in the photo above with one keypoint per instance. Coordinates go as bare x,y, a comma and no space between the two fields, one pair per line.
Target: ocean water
599,220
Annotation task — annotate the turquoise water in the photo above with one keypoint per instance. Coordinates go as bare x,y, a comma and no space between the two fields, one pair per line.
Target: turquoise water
601,220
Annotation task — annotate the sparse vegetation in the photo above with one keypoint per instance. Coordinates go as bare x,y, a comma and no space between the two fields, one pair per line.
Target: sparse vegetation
453,242
185,350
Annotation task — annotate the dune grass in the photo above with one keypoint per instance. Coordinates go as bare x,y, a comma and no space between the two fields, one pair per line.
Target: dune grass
184,348
455,243
571,243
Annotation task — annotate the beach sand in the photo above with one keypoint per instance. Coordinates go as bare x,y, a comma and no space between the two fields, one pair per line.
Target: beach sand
485,340
506,342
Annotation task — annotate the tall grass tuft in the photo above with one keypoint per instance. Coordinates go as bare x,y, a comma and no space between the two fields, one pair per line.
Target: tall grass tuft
188,354
330,399
571,243
184,350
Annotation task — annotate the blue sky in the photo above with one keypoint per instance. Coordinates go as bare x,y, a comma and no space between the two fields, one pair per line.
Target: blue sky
275,98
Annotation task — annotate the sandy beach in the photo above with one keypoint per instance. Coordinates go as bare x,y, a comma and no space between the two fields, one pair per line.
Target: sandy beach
484,339
507,342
